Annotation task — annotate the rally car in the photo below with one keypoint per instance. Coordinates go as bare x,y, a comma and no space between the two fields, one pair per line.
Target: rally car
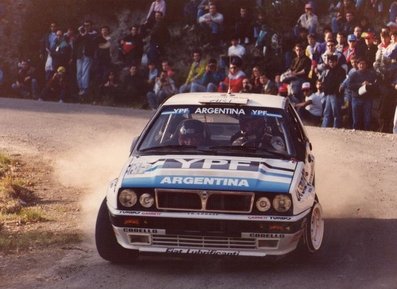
214,174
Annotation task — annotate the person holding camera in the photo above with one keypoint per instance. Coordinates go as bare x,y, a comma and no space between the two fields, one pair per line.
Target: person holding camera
210,79
164,87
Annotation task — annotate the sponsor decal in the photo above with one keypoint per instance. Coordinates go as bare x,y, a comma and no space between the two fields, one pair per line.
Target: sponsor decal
262,235
144,230
272,218
177,111
219,110
202,214
202,252
233,182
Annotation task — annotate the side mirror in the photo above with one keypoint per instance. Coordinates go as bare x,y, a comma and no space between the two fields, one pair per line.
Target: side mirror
133,143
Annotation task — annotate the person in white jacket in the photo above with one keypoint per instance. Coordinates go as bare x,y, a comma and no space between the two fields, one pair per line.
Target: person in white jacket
212,22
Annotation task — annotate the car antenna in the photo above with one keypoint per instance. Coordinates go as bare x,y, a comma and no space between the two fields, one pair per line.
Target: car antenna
229,90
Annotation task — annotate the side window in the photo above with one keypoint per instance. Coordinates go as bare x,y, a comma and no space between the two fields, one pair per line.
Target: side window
298,132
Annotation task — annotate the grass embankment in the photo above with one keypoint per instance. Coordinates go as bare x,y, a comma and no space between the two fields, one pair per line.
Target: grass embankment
22,218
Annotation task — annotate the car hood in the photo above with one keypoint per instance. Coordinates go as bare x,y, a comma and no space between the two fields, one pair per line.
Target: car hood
208,173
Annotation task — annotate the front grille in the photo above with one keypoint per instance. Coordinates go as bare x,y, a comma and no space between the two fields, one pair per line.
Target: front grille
187,241
199,200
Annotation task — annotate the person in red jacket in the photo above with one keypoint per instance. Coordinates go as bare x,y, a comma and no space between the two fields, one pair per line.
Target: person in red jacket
233,81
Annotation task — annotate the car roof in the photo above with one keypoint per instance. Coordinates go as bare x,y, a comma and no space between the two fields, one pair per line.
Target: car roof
233,99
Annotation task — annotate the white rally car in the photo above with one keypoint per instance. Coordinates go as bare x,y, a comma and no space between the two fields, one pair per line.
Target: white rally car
214,174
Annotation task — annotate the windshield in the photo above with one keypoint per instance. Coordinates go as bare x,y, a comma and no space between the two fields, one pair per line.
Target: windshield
253,131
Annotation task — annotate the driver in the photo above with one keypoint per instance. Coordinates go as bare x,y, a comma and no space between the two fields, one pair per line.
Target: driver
250,133
191,133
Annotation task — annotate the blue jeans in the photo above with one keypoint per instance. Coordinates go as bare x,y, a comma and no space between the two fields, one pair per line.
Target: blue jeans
154,100
362,113
196,87
332,111
83,70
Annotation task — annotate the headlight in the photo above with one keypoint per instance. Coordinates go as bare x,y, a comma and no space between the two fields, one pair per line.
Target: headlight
263,204
127,198
281,203
146,200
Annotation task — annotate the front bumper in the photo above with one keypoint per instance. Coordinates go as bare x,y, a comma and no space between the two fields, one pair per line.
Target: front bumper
207,234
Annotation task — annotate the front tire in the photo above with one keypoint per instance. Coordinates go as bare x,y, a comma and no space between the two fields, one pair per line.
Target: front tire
106,242
314,230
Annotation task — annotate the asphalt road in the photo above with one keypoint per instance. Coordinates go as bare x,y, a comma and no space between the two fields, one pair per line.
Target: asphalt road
356,184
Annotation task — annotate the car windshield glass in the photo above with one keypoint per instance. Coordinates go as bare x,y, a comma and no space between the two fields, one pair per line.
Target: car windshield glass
254,131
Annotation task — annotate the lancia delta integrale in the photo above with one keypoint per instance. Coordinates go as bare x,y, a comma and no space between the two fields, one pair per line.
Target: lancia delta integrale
214,174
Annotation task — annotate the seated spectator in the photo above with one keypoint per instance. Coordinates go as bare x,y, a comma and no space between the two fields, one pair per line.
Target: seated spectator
308,20
165,66
255,79
311,109
203,8
247,86
131,47
268,86
210,79
212,22
133,86
110,90
164,87
57,87
300,66
236,49
26,84
151,75
197,69
243,26
313,48
234,80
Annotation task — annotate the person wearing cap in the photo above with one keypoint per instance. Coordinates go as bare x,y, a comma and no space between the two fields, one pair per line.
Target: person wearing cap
191,133
332,78
309,20
57,87
330,51
351,49
370,47
363,86
311,109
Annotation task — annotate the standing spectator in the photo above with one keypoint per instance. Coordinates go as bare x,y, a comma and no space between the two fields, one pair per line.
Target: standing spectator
57,87
156,6
26,83
48,45
362,84
351,49
164,87
341,42
62,52
197,69
134,86
243,26
308,20
103,57
234,80
360,42
331,50
212,22
370,47
348,93
350,23
313,48
332,78
210,79
84,53
311,109
159,37
131,47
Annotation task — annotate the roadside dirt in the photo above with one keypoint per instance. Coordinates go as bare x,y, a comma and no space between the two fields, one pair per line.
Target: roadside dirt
72,152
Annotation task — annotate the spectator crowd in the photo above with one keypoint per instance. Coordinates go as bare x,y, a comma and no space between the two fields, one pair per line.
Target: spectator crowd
338,70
